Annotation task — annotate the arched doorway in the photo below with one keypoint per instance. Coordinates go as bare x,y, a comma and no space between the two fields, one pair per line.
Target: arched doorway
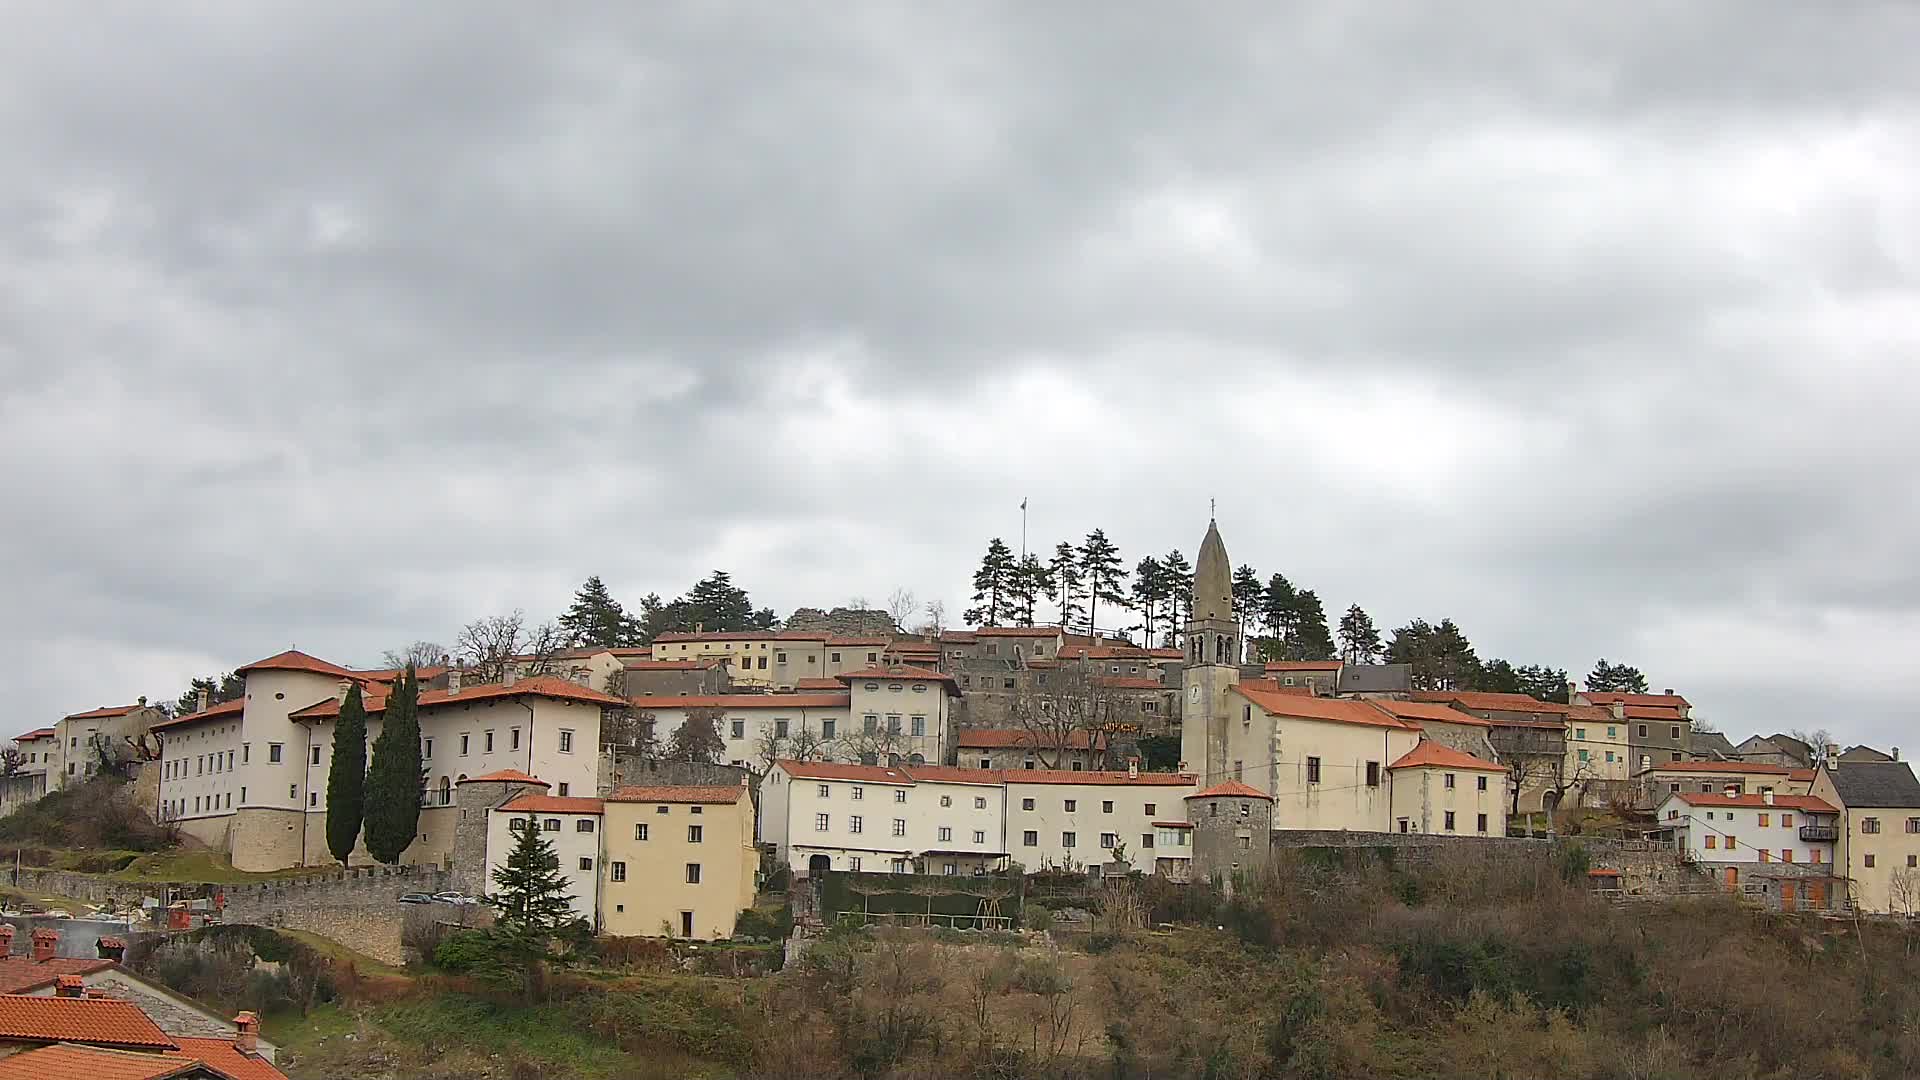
818,864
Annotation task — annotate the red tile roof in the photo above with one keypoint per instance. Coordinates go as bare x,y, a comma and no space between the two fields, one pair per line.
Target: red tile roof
1231,789
1727,768
1430,754
1757,800
903,672
952,775
506,776
70,1062
870,642
1492,702
1418,711
676,665
1336,710
223,710
1017,631
104,712
96,1021
712,794
36,733
1127,682
992,738
1797,775
741,635
541,686
957,637
553,804
1303,665
22,974
295,660
1104,652
1608,697
834,770
222,1055
744,701
1651,712
1167,654
828,683
388,675
1068,776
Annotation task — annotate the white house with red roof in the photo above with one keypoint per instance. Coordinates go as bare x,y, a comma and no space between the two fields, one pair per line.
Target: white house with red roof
926,819
1063,818
1753,827
1437,789
748,721
573,825
901,713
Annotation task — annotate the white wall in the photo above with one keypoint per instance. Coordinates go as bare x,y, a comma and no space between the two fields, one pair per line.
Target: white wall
1421,798
1274,753
1693,824
754,721
912,702
194,766
569,843
974,816
1130,820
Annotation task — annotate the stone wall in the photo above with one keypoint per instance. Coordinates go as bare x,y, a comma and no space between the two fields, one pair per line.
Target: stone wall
359,908
20,789
1645,868
841,622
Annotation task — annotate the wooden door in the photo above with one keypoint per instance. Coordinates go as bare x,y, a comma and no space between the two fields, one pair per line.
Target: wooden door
1817,895
1733,878
1789,899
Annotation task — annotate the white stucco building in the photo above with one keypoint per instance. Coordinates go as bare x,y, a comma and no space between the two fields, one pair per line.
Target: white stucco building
747,720
926,819
1761,827
1437,789
1066,819
573,826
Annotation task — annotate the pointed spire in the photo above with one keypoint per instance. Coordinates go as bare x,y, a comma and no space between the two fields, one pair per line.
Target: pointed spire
1213,578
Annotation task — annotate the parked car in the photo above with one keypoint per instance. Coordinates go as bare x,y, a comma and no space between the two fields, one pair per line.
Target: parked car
415,898
451,897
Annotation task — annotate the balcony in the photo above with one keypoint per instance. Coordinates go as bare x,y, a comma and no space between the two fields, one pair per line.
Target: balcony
1814,834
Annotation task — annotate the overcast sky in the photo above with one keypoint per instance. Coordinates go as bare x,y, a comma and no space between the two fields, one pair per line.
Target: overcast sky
1592,328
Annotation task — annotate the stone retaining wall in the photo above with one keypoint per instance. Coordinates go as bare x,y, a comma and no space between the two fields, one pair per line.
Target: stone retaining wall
358,908
1645,868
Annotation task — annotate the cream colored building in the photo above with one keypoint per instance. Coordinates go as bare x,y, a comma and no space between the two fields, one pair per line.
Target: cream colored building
1437,789
748,720
70,756
678,861
912,706
1323,760
1877,846
774,660
572,826
928,819
36,750
1066,819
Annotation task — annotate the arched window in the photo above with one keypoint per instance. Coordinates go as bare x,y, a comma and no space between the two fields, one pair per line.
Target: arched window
446,791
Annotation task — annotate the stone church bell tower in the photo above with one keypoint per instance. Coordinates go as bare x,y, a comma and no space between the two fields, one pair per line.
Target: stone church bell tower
1212,663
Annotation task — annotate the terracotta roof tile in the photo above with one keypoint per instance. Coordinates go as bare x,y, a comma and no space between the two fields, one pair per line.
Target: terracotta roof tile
834,770
952,774
1167,654
295,660
224,710
1724,768
1336,710
70,1062
1651,712
903,672
856,642
743,701
1757,801
104,712
1492,702
1304,665
1608,697
506,776
712,794
1069,776
1430,754
553,804
1232,789
1016,631
96,1021
992,738
542,686
20,974
1418,711
827,684
222,1055
36,733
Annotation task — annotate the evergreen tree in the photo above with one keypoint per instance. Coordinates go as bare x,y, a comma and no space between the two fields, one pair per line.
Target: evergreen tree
992,585
530,893
1543,682
347,777
1498,677
1105,576
393,780
1616,678
1310,639
1179,592
716,603
1149,591
1277,610
1064,572
697,738
1247,595
219,688
596,618
1031,582
1359,640
1441,656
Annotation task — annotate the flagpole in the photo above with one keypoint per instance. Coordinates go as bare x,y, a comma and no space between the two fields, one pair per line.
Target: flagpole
1023,528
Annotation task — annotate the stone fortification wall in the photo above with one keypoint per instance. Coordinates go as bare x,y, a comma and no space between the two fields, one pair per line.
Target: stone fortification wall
1645,868
359,908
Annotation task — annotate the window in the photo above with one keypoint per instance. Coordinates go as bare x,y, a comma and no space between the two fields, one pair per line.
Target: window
979,802
1674,734
273,751
1730,842
246,752
426,748
739,729
979,836
946,834
1146,840
893,723
1072,805
899,826
566,741
1813,856
1106,807
826,730
854,824
853,863
586,863
946,800
563,789
1481,822
1786,854
465,739
1580,733
1643,731
1449,821
583,825
315,756
1030,838
1480,783
1026,804
1869,862
617,871
870,724
1913,825
899,795
693,878
1583,754
1786,821
820,822
780,729
1913,860
513,738
859,793
763,663
293,791
1006,684
243,794
552,824
1713,842
824,791
1609,757
1373,774
1313,770
640,831
1870,825
486,742
1066,839
696,833
1109,840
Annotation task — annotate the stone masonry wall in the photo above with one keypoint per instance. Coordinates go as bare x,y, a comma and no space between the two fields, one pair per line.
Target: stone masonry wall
359,909
1645,868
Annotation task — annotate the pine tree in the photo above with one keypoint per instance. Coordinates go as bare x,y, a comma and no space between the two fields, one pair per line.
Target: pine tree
1031,582
393,780
1149,591
1179,591
347,776
1064,571
1498,677
1616,678
991,583
697,738
716,603
1277,611
1247,595
1105,575
1544,682
596,618
530,893
1310,640
1359,639
219,688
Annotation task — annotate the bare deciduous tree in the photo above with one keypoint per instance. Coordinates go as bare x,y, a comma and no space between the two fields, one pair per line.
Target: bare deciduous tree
488,646
882,745
934,620
1817,742
420,654
901,605
12,760
1052,706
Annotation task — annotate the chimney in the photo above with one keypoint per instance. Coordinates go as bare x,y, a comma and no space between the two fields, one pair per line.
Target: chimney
1767,796
453,681
511,675
1668,691
111,948
45,944
1833,753
6,939
1896,753
143,701
1619,710
1133,768
1732,791
246,1033
1573,691
97,993
203,701
70,986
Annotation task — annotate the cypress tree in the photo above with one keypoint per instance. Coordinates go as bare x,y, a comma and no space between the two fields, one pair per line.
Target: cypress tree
347,779
393,781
